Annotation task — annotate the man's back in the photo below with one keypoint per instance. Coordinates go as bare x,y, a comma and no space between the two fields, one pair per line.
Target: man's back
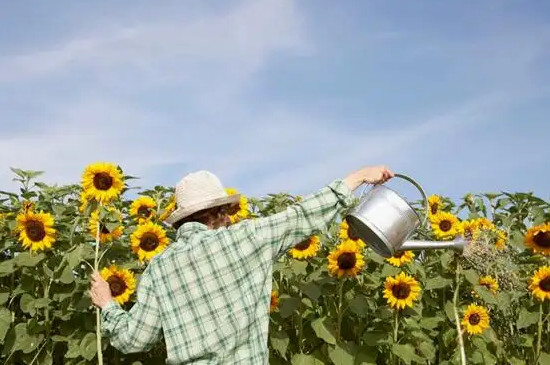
212,288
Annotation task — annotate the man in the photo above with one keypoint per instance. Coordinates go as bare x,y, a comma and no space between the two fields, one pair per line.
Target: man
209,292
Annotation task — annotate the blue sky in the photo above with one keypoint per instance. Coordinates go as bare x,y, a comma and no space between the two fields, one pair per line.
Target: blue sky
279,95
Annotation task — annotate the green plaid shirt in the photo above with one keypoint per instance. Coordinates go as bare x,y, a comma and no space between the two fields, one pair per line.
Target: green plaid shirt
209,292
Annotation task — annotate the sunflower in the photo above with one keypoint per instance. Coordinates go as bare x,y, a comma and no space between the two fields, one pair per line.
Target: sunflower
434,202
148,240
102,182
169,209
483,224
305,249
241,211
348,233
446,225
401,290
83,202
489,282
475,320
105,235
540,283
274,301
345,260
401,258
36,230
469,228
538,239
28,206
143,208
501,238
122,282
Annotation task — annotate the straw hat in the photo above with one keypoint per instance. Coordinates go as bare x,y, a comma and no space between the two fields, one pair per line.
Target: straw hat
197,191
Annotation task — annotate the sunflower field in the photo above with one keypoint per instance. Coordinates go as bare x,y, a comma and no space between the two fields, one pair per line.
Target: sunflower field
334,301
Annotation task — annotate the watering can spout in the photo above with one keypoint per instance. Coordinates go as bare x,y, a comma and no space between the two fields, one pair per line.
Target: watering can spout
459,244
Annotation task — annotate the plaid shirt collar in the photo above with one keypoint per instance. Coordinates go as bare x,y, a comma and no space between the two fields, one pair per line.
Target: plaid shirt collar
189,229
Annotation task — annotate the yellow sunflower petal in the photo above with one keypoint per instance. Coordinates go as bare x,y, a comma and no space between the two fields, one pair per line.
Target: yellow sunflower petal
274,301
345,260
475,319
401,291
347,233
36,230
306,249
105,235
537,239
540,284
143,208
434,203
122,282
401,258
243,210
102,182
148,240
169,209
490,283
445,225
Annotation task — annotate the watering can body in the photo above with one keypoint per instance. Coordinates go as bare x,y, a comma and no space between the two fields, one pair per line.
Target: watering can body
385,221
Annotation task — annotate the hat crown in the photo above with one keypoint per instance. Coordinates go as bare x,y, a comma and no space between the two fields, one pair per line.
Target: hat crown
198,187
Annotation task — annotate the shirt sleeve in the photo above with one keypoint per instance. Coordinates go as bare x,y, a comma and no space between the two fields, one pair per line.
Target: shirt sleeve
298,222
139,328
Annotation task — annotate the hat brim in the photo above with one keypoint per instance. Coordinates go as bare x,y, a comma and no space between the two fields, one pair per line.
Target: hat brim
181,213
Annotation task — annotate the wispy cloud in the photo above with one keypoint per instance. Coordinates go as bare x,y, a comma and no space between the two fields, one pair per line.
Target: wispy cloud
243,37
162,97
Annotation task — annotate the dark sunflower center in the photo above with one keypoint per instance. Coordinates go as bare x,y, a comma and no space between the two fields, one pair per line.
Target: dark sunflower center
347,260
117,285
445,225
487,285
144,211
542,239
433,208
273,301
103,229
545,284
149,241
103,181
401,291
35,230
302,245
399,254
474,319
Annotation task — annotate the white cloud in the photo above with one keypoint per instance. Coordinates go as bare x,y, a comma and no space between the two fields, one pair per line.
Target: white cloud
210,59
241,38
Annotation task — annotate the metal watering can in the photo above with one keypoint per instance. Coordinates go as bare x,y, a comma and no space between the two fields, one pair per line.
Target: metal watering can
385,221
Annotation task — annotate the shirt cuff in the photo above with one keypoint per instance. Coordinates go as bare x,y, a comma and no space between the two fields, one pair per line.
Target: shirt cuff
343,192
109,307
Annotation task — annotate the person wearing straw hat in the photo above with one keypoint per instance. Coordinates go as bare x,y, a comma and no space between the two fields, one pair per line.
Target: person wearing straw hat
209,292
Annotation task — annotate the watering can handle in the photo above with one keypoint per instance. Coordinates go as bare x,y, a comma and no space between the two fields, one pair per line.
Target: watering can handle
424,196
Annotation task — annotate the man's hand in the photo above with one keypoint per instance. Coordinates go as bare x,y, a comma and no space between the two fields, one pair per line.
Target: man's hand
370,175
100,291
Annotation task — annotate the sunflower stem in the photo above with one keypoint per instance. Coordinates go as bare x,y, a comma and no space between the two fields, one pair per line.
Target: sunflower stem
457,318
340,312
97,313
395,325
301,328
102,254
440,340
539,334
